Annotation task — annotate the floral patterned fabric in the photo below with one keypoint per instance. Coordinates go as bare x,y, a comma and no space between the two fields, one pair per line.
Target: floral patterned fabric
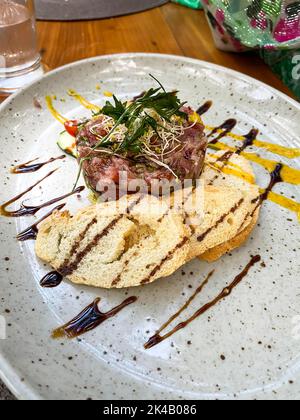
194,4
242,24
270,26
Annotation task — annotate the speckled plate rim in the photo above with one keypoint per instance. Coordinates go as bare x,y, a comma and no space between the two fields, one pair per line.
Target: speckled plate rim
23,390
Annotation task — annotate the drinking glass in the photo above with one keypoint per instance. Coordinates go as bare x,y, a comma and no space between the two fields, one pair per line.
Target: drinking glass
20,61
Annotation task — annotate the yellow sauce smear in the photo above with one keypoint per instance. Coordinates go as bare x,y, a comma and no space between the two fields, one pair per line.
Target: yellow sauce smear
235,172
54,112
195,118
288,152
278,199
288,174
229,163
108,94
285,202
84,102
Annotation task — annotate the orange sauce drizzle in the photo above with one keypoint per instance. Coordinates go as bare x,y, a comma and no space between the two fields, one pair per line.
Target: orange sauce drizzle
285,202
84,102
278,199
288,174
108,94
54,112
235,172
288,152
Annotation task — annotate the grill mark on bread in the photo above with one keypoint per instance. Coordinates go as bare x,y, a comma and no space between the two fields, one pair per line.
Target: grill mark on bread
193,230
133,204
182,206
119,276
68,268
248,215
116,280
164,215
191,227
275,179
171,253
76,244
211,182
186,215
224,158
221,220
164,260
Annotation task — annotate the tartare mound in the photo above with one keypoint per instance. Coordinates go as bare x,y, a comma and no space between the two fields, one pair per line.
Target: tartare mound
175,150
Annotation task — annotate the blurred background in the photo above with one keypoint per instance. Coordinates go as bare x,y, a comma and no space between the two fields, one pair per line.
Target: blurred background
260,38
257,37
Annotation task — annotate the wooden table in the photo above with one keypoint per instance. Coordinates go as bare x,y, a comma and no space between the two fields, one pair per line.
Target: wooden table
170,29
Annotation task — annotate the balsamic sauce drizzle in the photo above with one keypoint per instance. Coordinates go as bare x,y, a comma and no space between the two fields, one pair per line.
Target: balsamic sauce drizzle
227,127
220,221
51,280
70,265
249,140
32,210
187,304
6,213
275,179
204,108
31,232
89,319
25,168
158,338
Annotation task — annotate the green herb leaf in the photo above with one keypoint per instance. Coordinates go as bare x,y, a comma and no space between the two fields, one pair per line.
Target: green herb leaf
165,104
112,111
131,141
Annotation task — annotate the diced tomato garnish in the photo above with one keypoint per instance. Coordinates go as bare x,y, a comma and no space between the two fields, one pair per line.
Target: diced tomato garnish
71,127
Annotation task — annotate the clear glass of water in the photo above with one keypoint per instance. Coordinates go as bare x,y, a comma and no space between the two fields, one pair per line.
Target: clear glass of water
20,61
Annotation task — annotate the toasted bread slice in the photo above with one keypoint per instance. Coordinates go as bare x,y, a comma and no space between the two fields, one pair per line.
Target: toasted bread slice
216,253
226,211
115,246
237,170
240,175
217,220
140,239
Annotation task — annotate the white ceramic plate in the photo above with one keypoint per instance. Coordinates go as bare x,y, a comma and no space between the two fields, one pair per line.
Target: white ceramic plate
255,329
